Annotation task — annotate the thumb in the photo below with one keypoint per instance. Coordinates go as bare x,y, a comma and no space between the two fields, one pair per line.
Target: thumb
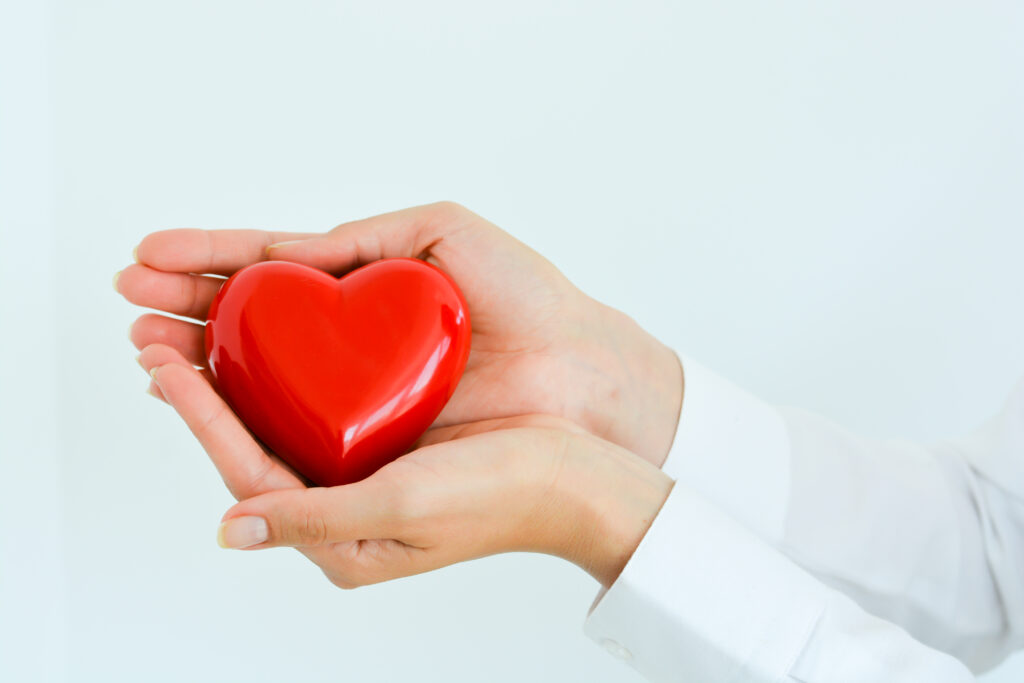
410,233
308,517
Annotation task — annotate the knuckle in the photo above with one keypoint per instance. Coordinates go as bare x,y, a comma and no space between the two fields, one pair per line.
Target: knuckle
341,580
189,293
314,530
207,427
449,209
254,483
405,504
308,527
449,205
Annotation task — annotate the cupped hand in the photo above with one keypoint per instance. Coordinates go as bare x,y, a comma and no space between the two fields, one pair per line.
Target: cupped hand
528,483
539,344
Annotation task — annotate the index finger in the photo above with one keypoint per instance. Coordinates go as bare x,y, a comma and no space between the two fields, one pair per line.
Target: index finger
221,252
243,464
417,232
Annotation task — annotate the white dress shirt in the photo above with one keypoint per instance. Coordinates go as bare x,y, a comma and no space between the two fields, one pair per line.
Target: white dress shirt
791,550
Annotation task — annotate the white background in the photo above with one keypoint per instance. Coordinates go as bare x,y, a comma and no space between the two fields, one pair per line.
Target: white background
823,201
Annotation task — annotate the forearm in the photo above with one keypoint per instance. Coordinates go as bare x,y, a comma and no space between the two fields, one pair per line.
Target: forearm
910,532
704,599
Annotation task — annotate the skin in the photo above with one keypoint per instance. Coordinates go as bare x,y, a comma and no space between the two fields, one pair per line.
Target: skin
551,443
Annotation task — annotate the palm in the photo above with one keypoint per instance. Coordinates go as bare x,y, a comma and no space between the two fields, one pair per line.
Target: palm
521,311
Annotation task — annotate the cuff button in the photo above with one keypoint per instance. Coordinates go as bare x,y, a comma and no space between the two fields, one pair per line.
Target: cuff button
613,648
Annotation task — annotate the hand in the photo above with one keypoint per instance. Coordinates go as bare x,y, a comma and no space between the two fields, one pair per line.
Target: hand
528,483
539,344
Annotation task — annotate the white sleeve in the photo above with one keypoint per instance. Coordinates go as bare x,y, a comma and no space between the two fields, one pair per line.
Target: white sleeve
703,599
928,537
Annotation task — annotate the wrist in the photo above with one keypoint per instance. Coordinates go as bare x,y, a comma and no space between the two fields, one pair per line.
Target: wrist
643,381
613,497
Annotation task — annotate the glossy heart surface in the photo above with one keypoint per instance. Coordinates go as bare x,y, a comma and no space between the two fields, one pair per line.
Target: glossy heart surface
338,376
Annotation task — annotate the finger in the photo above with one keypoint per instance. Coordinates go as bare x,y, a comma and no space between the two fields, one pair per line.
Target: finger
154,391
244,465
436,435
188,250
184,337
177,293
309,517
410,232
155,355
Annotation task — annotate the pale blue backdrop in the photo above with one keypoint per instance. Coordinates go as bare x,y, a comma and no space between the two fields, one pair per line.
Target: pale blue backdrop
822,200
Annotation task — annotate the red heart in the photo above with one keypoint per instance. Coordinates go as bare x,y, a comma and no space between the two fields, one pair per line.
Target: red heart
338,376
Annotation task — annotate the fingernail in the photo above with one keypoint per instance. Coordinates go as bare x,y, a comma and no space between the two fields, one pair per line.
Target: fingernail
152,391
282,244
135,254
117,275
130,328
242,532
152,372
138,359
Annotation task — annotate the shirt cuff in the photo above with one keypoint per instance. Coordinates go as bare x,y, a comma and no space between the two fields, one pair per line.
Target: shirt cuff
701,599
733,449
